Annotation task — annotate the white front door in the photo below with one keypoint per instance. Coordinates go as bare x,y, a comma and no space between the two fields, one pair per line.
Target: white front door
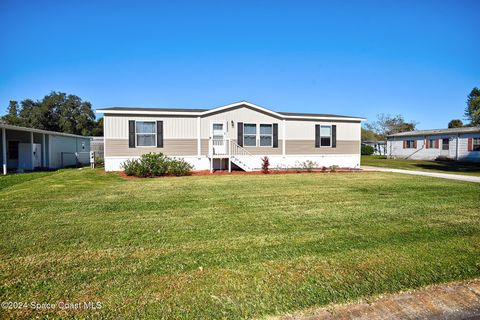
218,135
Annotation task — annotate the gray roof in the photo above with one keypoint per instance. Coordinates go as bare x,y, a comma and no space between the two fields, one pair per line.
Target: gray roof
153,109
436,131
18,128
294,114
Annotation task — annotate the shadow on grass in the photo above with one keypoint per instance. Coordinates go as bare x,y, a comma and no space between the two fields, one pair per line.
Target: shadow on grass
450,166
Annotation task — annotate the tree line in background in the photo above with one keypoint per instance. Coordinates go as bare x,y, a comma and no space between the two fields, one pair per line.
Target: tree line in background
57,111
387,124
60,112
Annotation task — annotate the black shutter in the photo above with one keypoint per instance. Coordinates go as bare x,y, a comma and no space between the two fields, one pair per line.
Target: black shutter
159,134
131,133
240,134
317,136
334,136
275,135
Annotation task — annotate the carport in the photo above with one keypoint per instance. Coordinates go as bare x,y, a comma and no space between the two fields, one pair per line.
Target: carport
28,149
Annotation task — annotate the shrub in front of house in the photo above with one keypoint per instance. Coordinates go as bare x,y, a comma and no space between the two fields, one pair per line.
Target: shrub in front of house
265,165
179,167
308,165
367,150
156,165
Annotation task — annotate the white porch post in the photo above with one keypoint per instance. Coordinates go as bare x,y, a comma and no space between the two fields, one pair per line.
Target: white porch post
199,141
43,151
229,145
4,150
31,150
284,129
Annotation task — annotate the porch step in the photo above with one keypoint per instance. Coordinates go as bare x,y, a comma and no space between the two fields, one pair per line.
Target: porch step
240,164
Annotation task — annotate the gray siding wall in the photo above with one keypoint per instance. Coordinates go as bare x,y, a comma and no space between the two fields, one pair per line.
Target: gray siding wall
59,144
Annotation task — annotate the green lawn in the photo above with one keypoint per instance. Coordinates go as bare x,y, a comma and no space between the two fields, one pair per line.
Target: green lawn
466,168
229,246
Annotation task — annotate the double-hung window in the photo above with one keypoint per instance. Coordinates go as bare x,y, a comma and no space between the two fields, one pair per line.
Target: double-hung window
431,143
476,144
445,144
266,135
410,144
249,134
145,133
325,136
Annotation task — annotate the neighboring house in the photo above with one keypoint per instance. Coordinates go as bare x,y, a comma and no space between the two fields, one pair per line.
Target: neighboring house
28,149
379,147
461,144
237,135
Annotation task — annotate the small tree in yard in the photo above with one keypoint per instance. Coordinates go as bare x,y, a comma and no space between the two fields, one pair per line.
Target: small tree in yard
265,165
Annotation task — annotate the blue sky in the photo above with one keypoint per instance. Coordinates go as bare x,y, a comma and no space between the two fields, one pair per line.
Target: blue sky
415,58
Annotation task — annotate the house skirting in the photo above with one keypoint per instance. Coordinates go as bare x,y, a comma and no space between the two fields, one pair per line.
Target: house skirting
276,161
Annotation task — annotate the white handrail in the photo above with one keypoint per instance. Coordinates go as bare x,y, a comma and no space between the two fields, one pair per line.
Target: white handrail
237,150
230,148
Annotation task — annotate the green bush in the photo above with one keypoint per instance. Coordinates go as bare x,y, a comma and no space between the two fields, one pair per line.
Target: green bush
99,163
156,165
367,150
179,167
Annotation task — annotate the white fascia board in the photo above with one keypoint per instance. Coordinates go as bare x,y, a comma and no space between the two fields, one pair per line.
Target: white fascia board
323,118
236,104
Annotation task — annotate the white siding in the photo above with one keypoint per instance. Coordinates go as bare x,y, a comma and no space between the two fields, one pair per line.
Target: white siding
395,148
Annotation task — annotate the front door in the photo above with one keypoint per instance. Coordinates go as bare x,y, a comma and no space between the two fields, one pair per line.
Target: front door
218,135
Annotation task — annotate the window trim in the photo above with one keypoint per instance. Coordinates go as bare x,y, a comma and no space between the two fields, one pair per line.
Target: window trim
475,144
260,135
320,133
249,134
155,134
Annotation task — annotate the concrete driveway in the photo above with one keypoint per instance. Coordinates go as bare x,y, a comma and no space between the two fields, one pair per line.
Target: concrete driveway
460,300
459,177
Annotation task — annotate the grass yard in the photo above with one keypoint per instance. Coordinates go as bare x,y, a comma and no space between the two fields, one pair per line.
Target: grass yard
228,246
466,168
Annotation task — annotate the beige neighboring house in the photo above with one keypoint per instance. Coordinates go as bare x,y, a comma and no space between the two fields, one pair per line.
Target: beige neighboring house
235,136
462,144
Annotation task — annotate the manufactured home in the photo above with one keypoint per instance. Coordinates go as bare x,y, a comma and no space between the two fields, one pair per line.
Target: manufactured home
28,149
462,144
232,136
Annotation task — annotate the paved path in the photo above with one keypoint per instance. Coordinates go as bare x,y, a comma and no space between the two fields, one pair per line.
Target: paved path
459,177
453,301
